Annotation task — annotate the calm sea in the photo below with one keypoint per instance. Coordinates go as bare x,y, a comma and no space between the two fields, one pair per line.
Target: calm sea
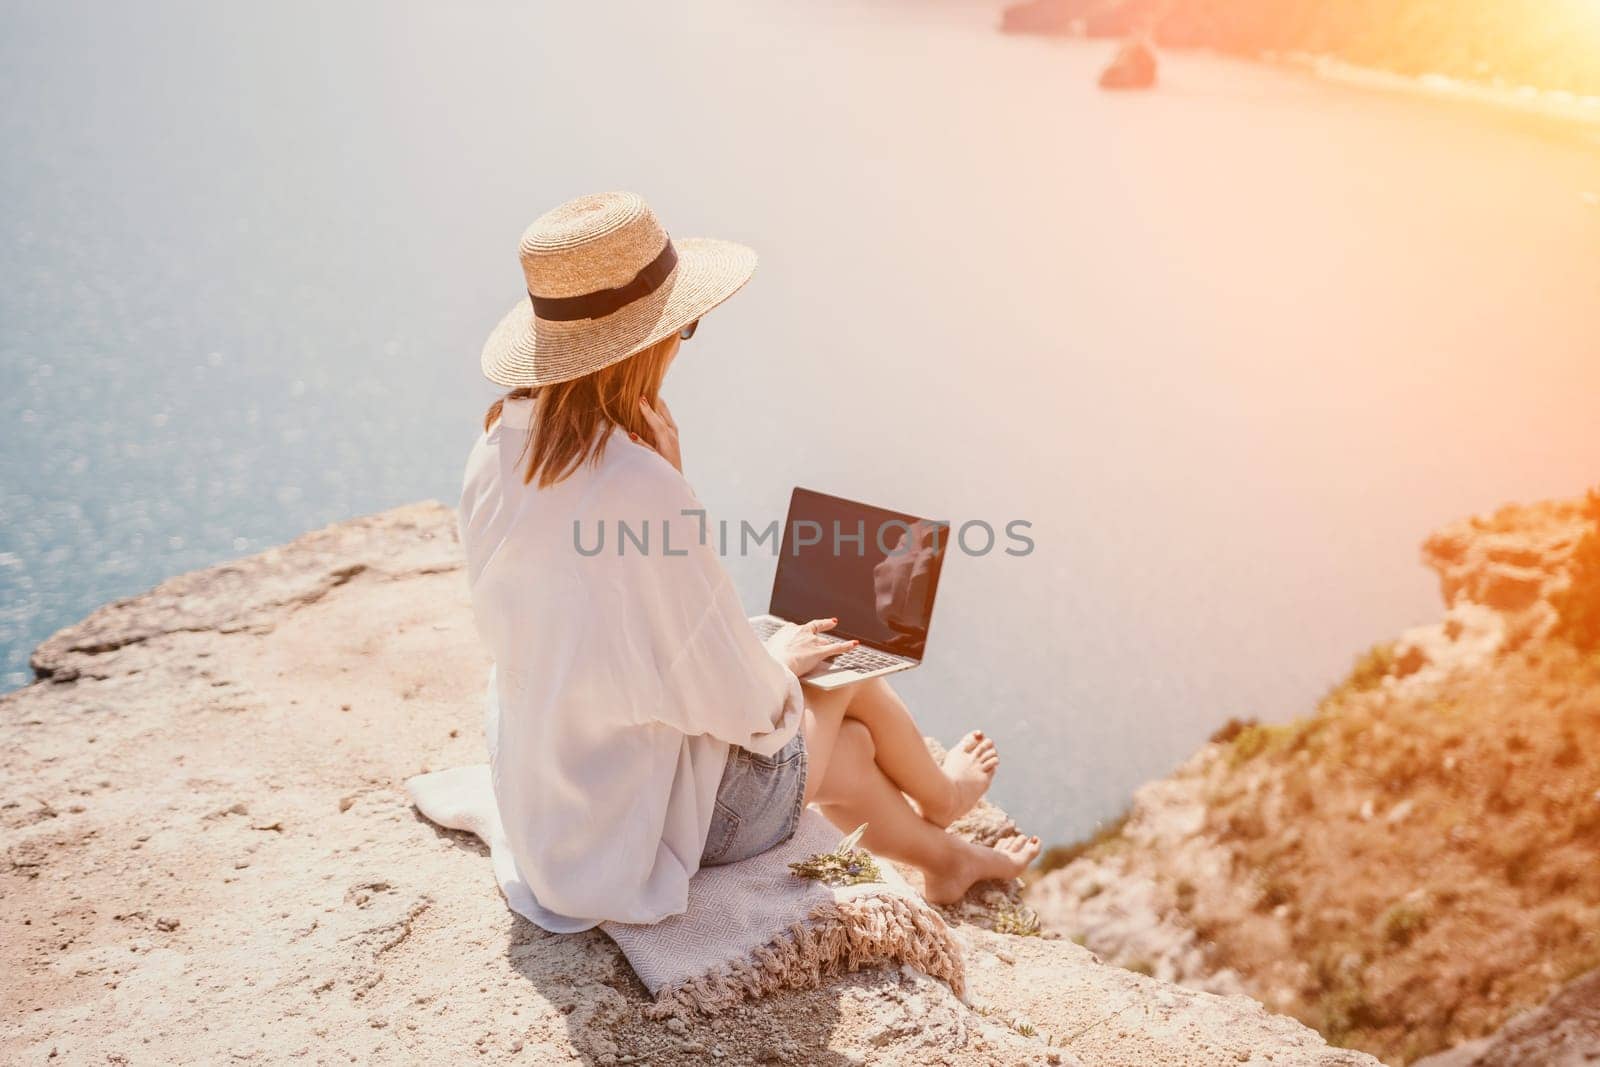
1232,347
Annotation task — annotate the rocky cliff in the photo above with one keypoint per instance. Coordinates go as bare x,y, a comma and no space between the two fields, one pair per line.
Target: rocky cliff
1564,1031
209,859
1416,861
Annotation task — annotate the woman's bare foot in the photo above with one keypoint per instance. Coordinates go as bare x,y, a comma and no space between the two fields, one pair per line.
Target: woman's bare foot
972,863
969,768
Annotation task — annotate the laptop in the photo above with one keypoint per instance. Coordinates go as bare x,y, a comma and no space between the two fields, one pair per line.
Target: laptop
874,570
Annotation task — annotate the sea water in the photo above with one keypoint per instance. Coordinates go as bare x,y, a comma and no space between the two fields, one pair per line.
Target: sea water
1232,348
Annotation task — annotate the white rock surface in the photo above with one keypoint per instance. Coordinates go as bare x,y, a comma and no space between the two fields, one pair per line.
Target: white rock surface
210,860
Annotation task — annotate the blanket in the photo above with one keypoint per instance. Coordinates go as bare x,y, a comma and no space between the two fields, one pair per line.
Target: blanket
750,928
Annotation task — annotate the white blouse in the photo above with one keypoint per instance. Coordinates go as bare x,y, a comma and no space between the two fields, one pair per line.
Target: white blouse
620,678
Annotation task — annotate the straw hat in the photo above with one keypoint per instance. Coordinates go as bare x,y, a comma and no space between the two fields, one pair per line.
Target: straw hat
604,282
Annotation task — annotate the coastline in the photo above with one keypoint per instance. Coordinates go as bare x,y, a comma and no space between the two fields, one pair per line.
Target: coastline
1556,105
1528,100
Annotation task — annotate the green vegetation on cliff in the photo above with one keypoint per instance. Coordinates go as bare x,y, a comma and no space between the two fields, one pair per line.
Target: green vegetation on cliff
1418,859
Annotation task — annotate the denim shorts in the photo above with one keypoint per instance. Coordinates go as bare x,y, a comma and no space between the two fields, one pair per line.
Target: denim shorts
758,803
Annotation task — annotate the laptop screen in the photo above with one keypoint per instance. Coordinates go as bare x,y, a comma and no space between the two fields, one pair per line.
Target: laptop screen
876,570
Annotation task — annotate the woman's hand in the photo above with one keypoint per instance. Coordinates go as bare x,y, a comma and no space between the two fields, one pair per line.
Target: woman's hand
663,431
802,648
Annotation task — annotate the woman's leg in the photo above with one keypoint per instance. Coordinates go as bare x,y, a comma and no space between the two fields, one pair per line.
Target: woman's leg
819,724
943,793
855,790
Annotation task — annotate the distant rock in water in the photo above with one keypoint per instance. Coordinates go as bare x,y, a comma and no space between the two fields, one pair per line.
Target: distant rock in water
1133,67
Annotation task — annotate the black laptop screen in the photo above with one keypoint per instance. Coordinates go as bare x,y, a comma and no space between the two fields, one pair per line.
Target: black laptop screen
876,570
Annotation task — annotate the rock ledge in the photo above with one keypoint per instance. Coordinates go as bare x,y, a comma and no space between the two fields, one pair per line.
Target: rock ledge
209,858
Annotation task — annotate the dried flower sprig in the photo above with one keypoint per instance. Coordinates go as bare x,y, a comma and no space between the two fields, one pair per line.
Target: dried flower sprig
845,865
1018,920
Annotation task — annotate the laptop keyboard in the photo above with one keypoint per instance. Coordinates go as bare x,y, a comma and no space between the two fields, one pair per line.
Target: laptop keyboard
765,628
861,658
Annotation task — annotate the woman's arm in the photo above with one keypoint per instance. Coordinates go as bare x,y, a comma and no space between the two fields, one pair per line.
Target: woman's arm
724,683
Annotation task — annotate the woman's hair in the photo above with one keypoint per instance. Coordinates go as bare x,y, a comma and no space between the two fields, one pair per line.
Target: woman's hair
572,420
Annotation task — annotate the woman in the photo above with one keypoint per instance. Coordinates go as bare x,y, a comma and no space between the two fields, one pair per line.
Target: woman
638,729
